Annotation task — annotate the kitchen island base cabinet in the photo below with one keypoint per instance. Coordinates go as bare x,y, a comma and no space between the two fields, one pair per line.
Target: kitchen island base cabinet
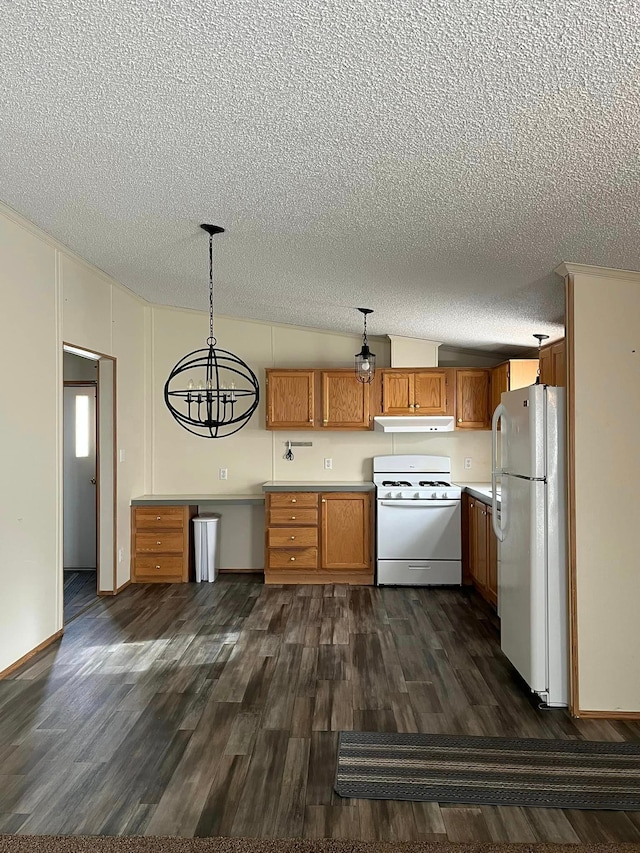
318,537
161,547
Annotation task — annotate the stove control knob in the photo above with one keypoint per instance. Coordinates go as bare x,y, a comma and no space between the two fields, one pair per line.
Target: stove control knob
399,495
416,496
434,495
389,495
444,496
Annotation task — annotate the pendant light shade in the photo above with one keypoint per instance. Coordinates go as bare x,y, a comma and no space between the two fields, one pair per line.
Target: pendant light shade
211,392
365,360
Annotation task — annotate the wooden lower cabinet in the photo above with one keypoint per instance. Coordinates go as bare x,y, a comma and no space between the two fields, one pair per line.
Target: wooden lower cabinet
319,537
161,546
481,550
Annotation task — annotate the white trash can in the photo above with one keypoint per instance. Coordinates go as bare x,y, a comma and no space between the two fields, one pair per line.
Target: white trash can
205,534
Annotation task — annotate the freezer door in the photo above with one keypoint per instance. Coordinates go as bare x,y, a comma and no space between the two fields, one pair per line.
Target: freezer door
522,435
522,580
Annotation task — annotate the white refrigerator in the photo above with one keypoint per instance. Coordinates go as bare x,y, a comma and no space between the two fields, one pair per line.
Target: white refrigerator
528,454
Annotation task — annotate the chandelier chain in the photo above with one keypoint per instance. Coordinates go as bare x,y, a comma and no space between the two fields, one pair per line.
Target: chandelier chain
211,288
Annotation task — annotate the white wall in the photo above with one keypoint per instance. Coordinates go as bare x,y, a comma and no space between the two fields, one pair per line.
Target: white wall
48,296
30,443
606,357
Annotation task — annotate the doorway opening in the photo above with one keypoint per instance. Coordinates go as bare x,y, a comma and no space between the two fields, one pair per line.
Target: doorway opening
89,479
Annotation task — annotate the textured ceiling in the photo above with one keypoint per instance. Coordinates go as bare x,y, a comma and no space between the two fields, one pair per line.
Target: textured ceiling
431,159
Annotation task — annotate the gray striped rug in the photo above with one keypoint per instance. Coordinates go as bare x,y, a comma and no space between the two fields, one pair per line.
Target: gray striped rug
562,774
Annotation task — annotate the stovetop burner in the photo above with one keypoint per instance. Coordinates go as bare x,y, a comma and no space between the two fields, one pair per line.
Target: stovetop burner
433,483
396,483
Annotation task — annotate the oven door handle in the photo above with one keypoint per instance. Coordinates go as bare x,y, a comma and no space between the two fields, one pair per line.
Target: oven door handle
419,504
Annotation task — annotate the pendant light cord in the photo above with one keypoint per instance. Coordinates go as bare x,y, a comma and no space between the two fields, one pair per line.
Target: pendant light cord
364,336
211,341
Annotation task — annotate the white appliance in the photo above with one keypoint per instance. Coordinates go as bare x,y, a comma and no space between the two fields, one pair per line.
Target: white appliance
531,529
418,521
413,423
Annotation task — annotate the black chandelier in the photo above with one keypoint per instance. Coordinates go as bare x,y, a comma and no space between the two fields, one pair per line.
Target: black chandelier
211,392
365,363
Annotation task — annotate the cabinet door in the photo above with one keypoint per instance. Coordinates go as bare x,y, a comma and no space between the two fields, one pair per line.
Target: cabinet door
480,546
472,399
290,399
397,393
559,369
546,366
345,401
345,531
430,392
492,561
499,383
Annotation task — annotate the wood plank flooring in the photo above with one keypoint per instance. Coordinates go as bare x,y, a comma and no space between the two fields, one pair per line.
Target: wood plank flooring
79,591
214,709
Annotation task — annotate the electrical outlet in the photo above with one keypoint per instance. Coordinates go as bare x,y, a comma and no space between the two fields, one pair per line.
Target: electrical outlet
123,455
467,462
120,555
328,464
222,474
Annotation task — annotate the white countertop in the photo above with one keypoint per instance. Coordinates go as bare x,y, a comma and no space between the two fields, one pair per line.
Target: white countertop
482,491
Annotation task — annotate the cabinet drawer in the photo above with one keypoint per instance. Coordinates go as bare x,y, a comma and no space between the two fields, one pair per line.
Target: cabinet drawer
285,558
160,567
161,542
284,499
292,537
150,518
293,516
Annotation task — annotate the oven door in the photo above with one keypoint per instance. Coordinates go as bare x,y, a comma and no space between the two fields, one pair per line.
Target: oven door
419,530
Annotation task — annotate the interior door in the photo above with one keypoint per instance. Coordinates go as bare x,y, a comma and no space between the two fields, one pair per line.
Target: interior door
79,472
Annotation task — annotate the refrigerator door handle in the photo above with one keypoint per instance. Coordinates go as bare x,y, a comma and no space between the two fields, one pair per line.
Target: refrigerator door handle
497,529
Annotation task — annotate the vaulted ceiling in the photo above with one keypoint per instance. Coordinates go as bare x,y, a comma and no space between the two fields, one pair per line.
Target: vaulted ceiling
431,159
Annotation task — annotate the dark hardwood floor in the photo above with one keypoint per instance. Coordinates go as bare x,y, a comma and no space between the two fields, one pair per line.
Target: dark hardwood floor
80,590
214,709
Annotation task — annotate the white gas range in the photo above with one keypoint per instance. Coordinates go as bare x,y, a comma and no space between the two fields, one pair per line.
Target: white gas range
419,515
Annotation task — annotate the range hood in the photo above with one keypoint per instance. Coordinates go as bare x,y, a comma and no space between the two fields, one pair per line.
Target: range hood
413,423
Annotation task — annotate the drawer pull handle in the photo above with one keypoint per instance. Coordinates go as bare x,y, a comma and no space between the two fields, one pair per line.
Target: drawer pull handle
294,501
293,559
157,567
158,543
293,518
158,517
293,537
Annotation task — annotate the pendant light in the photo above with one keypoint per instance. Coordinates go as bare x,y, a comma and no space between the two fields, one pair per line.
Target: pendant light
211,392
365,363
539,337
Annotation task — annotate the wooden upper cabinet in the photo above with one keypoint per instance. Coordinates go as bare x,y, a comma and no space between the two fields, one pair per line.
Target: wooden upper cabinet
430,392
345,530
414,392
499,383
553,369
559,363
397,393
473,405
546,366
512,374
290,399
345,401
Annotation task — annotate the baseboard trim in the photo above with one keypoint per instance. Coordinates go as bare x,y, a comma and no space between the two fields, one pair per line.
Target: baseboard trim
123,586
240,571
608,715
43,645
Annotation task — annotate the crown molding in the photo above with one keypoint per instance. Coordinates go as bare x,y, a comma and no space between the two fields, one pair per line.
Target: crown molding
568,268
